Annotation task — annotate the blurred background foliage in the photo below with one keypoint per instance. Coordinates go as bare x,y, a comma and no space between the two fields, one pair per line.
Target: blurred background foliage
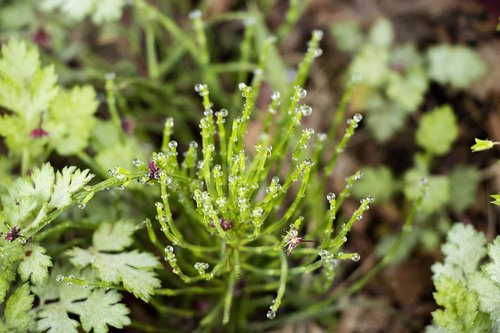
428,83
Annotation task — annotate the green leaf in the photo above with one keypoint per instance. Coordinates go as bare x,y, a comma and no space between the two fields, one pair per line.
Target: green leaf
407,90
496,199
438,130
482,145
493,269
348,36
463,250
463,186
17,309
71,119
97,309
11,254
438,190
55,319
488,293
134,269
371,64
68,181
384,118
377,182
35,264
461,307
113,237
100,310
382,33
26,89
458,66
100,11
43,181
436,329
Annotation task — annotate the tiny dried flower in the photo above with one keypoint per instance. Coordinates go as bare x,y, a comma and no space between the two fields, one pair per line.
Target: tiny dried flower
154,170
13,233
292,240
38,133
226,224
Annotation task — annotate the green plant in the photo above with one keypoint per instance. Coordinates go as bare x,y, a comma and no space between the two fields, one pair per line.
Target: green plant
454,192
485,145
220,220
467,284
394,79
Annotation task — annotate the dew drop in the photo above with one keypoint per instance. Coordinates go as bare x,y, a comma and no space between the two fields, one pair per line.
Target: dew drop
169,249
275,96
357,117
355,257
330,196
242,86
110,76
223,113
172,144
60,278
306,110
199,87
271,314
195,14
302,93
318,34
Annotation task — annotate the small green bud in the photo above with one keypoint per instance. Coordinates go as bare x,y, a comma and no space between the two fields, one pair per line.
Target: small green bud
482,145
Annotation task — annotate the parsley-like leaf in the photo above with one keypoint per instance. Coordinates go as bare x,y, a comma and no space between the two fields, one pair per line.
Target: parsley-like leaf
26,89
101,309
97,309
68,181
457,65
71,119
461,307
35,264
17,309
463,250
438,130
134,269
113,237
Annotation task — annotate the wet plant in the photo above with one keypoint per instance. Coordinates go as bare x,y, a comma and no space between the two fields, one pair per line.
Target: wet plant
249,234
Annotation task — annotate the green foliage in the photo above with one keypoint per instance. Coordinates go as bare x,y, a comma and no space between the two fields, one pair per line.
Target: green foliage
96,308
496,199
26,89
438,130
458,66
378,182
461,313
467,287
348,35
35,264
463,187
438,190
134,269
17,316
394,79
37,121
99,11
